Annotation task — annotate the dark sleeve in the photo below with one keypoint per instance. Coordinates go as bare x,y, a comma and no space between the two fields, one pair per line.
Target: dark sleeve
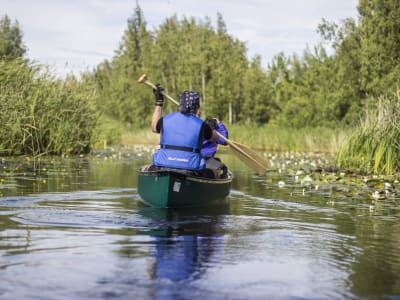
206,132
159,125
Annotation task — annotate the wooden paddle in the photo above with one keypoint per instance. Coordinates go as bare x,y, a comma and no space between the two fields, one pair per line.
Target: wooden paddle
244,153
143,79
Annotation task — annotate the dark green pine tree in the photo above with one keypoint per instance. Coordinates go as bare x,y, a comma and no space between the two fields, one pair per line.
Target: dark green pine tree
120,96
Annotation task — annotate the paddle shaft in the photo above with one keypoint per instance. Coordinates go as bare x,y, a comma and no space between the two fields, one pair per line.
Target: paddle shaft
143,79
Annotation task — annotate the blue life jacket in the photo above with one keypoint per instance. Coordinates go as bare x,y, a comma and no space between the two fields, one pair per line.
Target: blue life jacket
180,143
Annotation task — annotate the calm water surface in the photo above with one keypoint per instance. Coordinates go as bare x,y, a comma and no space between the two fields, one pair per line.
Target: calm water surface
76,229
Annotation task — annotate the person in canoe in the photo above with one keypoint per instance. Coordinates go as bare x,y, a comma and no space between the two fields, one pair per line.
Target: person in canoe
182,135
209,147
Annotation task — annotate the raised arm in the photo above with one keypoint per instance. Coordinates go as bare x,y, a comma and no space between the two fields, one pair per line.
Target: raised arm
157,114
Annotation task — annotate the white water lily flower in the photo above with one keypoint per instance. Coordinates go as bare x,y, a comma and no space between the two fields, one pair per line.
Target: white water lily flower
307,180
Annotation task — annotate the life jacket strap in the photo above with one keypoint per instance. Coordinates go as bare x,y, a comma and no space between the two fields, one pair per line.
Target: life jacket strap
187,149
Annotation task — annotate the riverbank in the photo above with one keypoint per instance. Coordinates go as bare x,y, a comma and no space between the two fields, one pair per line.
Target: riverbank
266,138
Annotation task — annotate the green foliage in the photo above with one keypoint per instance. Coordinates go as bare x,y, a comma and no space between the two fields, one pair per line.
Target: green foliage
11,44
374,147
41,115
108,132
183,55
256,87
191,54
307,90
380,44
118,94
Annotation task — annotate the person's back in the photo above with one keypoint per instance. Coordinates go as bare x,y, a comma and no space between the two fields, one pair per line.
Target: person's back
180,142
182,134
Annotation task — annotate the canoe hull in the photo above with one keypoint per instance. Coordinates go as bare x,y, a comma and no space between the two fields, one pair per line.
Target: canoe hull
174,189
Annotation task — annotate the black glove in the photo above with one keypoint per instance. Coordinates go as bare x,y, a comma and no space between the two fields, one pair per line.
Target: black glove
212,122
158,94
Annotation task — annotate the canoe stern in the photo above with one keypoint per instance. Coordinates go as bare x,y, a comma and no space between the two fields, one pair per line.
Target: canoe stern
172,189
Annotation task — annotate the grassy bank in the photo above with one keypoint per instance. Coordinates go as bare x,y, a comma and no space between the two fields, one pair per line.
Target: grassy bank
41,115
374,145
288,139
264,138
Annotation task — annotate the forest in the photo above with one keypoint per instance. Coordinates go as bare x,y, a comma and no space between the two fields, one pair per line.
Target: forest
353,88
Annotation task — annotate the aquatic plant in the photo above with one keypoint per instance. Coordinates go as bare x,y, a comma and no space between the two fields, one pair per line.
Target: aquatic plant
374,146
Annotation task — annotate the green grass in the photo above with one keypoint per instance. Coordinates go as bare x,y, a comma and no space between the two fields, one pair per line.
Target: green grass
289,139
264,138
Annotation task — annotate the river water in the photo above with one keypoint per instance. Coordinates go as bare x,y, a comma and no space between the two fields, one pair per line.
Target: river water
76,229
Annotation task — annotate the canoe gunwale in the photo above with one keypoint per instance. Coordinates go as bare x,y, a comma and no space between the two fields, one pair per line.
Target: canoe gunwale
184,175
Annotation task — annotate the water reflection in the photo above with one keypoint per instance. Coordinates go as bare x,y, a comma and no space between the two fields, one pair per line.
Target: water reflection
184,241
77,230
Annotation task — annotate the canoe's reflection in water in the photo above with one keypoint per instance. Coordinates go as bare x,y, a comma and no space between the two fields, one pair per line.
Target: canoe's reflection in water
185,241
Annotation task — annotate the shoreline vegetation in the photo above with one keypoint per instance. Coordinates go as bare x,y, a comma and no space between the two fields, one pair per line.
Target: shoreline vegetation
345,103
265,138
41,115
374,146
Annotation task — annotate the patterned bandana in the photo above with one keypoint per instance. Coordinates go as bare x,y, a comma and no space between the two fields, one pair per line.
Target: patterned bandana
189,102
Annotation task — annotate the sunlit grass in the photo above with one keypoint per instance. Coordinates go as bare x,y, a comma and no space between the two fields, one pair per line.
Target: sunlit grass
289,139
140,137
264,138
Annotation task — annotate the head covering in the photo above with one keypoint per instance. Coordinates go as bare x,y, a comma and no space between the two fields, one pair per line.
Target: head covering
189,102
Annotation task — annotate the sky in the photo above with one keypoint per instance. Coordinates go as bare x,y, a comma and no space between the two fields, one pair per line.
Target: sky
71,36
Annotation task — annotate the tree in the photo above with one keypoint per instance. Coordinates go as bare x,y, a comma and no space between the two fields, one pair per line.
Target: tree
11,44
380,45
258,106
120,97
349,94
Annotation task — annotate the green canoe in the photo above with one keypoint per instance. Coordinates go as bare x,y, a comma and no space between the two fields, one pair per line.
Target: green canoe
172,188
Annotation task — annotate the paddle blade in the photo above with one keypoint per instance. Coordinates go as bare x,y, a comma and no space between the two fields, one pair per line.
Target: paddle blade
249,157
260,160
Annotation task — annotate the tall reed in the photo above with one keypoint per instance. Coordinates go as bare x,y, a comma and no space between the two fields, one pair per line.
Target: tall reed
42,115
374,146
